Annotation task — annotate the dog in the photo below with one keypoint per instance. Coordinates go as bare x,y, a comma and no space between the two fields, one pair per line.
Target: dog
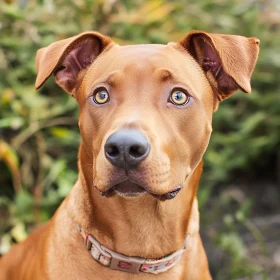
145,117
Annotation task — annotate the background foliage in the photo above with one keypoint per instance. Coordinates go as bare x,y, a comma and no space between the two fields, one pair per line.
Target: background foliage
39,135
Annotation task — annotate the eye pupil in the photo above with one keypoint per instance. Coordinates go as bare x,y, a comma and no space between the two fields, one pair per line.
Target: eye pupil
102,95
178,96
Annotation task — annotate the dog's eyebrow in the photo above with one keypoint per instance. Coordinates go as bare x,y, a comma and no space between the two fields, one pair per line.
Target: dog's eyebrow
164,74
114,78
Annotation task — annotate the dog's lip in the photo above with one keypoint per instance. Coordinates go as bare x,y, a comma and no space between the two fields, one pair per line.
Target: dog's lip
173,193
124,188
128,188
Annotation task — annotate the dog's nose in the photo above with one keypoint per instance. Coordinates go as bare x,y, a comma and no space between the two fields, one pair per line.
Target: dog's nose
126,148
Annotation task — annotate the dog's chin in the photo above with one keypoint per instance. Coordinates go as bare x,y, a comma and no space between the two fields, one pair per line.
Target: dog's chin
129,189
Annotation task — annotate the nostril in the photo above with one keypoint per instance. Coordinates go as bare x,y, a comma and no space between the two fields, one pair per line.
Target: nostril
112,151
126,148
137,150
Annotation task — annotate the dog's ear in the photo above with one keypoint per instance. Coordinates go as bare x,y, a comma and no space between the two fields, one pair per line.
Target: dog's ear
228,61
67,59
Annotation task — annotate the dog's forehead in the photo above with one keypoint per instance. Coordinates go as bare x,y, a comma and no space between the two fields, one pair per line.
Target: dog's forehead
143,60
155,55
143,50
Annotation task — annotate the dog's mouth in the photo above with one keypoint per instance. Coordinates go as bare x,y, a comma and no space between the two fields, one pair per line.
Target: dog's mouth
128,188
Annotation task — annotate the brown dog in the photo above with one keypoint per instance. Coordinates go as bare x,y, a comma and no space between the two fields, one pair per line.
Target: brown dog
145,120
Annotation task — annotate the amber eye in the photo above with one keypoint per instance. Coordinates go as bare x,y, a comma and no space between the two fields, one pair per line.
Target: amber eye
178,97
101,96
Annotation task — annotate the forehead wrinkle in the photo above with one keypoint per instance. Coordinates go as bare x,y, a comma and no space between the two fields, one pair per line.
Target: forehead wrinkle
164,74
114,78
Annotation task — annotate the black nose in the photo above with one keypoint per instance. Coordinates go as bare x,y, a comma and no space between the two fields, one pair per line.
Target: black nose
126,148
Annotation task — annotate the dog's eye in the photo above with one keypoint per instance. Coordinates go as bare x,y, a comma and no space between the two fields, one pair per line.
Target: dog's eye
101,96
178,97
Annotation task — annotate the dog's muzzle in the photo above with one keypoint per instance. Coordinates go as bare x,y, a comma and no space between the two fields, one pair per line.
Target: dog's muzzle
126,149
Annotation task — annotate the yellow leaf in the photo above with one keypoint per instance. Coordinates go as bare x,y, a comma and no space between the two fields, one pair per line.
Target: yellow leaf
8,155
18,232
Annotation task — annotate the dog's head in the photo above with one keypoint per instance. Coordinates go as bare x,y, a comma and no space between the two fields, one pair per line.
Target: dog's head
146,110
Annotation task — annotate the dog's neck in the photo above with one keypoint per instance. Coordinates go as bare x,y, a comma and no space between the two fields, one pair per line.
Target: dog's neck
142,226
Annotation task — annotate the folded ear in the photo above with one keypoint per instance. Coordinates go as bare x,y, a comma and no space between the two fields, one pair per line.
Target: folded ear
228,61
68,58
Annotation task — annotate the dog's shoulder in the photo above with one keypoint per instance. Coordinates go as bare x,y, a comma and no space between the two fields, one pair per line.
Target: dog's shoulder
23,257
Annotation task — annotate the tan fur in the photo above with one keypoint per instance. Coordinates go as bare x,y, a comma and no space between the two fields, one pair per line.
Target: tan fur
139,79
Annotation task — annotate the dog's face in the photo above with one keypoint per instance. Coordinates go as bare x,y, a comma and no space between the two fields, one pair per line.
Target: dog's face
146,110
140,85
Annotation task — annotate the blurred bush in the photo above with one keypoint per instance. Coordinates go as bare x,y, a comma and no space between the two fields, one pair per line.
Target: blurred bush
38,130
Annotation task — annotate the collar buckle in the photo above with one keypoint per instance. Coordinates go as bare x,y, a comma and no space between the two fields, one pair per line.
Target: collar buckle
124,263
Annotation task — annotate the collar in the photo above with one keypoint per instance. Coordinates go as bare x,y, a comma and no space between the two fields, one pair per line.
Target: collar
117,261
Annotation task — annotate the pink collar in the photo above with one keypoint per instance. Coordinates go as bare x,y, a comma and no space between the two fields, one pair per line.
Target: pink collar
117,261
